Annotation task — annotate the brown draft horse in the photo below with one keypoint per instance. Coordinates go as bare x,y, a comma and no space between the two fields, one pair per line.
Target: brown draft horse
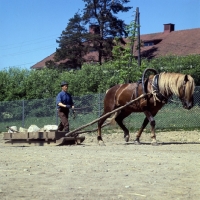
158,89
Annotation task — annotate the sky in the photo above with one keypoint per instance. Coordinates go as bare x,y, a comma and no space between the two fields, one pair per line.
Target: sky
29,28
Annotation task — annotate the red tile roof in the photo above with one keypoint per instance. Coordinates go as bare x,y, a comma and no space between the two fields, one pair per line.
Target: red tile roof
181,43
90,57
41,64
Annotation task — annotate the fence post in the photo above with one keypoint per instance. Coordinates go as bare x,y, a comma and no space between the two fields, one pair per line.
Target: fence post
56,116
23,113
99,104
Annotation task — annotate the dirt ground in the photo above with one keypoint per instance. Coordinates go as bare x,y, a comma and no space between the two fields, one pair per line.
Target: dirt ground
115,171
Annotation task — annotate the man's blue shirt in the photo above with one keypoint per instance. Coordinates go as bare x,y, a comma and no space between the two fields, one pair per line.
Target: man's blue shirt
65,98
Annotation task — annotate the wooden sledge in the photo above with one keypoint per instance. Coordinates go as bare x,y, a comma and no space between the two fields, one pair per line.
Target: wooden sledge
46,138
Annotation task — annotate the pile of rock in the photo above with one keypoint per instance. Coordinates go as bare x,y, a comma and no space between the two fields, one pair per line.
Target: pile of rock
32,128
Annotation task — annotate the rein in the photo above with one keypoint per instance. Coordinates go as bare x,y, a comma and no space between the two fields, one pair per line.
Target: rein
184,86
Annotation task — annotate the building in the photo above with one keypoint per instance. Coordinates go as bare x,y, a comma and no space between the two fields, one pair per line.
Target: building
168,42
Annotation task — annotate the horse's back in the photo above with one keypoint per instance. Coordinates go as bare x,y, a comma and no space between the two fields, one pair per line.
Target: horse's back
119,95
127,92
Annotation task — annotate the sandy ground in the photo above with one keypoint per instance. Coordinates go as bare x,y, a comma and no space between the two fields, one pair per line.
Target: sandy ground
115,171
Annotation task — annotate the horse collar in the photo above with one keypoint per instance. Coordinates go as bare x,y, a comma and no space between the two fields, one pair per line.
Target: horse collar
155,83
156,90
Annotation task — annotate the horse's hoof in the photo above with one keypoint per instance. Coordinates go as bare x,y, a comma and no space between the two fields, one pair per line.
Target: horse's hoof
154,144
126,138
137,142
101,143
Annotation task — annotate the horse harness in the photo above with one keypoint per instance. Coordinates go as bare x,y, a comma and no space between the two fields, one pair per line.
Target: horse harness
157,95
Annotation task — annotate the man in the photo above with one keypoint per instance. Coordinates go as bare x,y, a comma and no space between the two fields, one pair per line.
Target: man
64,102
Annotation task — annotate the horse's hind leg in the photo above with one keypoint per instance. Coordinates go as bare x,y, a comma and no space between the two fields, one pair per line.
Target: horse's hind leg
119,120
100,123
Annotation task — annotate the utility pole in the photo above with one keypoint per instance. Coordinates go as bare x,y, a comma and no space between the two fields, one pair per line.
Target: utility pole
132,43
136,26
133,37
133,40
138,35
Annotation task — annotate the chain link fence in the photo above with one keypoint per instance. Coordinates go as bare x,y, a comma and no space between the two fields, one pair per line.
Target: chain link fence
42,112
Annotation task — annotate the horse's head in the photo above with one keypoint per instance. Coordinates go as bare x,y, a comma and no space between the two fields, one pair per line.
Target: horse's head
186,92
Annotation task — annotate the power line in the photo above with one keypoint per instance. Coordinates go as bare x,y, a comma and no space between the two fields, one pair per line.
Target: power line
27,51
27,42
21,46
49,46
18,65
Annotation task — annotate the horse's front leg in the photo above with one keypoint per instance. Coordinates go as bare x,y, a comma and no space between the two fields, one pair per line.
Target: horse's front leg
153,124
139,133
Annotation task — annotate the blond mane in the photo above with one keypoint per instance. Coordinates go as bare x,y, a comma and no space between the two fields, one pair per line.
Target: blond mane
170,83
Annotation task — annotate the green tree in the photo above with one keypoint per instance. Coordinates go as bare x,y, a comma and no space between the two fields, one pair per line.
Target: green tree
102,13
72,49
4,82
12,82
189,64
42,84
50,64
123,58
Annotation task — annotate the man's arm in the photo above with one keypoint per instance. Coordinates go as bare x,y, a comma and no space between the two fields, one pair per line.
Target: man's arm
59,101
63,105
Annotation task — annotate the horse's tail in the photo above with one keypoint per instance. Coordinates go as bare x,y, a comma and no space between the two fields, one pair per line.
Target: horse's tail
110,103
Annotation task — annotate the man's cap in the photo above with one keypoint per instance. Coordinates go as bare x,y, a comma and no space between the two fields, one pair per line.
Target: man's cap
63,83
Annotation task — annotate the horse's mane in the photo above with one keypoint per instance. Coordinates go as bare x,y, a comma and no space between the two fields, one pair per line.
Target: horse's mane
170,83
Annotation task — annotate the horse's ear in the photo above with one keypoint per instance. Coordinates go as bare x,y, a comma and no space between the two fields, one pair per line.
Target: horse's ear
186,78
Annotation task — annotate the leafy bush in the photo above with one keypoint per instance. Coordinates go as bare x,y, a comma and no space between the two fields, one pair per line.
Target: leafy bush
20,84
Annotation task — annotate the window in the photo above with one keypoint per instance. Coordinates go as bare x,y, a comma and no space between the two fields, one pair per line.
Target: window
152,42
148,44
92,49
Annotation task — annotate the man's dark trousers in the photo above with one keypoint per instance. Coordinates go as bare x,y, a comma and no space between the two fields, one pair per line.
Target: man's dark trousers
63,113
